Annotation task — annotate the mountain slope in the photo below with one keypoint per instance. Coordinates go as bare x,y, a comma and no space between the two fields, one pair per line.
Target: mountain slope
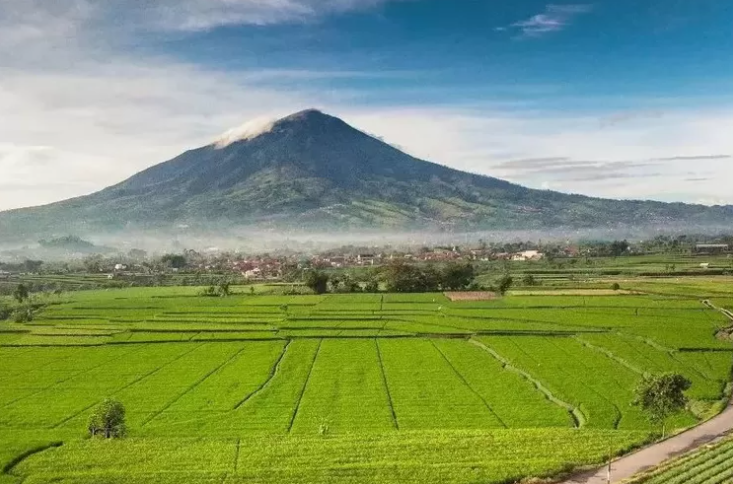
313,171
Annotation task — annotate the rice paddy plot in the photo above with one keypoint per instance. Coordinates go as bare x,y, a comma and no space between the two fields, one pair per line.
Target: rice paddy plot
359,388
711,465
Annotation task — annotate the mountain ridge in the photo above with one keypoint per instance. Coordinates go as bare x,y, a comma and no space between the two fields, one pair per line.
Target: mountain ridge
313,171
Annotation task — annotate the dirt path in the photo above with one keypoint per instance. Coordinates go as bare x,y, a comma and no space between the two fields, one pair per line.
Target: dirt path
654,455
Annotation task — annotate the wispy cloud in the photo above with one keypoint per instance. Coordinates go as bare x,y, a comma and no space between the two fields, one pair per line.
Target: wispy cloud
37,17
554,19
205,14
695,158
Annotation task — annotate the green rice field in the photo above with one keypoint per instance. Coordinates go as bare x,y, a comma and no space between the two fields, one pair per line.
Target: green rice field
710,465
357,388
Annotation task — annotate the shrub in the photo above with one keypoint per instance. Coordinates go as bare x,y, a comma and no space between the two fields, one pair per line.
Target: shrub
5,311
317,281
21,293
504,284
108,420
529,280
22,315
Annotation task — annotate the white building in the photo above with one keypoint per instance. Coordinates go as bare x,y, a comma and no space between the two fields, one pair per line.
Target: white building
255,273
528,255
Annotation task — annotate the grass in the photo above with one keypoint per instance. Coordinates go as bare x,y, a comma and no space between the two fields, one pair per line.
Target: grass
358,388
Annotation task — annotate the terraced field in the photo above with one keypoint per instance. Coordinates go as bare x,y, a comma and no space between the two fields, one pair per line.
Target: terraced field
711,465
359,388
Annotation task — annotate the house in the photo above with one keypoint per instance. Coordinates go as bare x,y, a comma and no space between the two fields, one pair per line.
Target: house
255,273
528,255
4,275
365,259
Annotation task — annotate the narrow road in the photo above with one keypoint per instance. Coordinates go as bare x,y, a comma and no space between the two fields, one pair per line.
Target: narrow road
654,455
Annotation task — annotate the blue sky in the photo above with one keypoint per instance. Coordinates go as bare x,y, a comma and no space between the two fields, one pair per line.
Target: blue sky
613,98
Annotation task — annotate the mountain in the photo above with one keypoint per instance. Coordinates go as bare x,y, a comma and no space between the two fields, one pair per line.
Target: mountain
312,171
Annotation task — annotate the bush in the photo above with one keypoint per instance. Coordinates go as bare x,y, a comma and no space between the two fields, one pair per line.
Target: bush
372,285
22,315
108,420
5,311
616,286
21,293
504,284
529,280
317,281
222,290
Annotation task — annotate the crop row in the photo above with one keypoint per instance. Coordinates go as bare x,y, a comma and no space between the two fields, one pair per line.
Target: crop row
599,386
708,466
459,457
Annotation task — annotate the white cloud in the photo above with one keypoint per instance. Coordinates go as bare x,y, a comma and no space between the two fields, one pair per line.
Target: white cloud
681,156
34,19
554,19
205,14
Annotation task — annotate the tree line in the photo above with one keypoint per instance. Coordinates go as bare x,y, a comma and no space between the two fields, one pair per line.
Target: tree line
405,278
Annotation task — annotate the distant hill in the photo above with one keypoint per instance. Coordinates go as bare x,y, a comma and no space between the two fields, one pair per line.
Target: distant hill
311,171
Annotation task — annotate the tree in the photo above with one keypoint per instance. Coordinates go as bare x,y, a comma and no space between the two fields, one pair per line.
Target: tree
223,289
619,247
401,277
455,276
349,284
23,314
661,396
504,284
21,293
372,284
176,261
108,420
335,283
93,263
5,311
317,281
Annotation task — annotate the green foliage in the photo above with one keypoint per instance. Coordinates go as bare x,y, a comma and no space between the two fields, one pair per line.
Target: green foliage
107,420
94,264
504,284
21,293
401,277
5,310
455,276
317,281
220,290
661,396
176,261
69,242
529,280
616,286
22,314
619,248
